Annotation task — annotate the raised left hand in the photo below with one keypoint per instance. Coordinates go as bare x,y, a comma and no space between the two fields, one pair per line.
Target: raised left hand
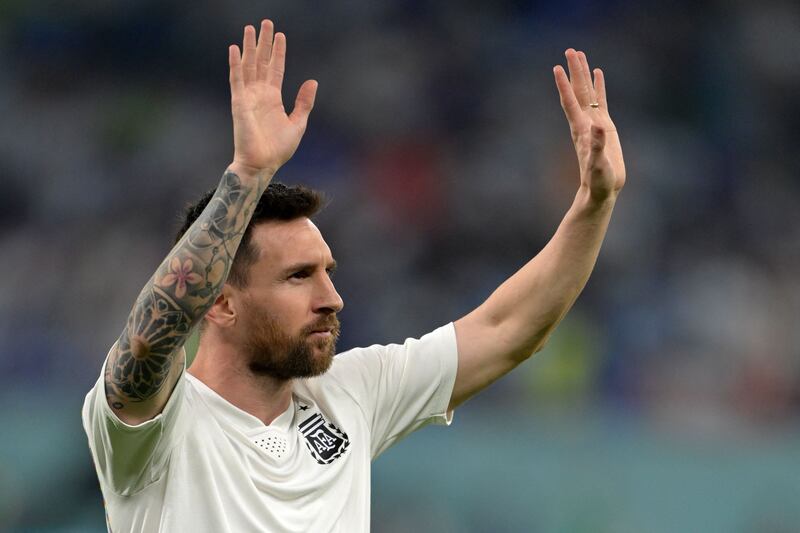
593,133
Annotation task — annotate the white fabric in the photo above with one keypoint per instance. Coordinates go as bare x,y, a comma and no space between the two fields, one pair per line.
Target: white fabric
205,465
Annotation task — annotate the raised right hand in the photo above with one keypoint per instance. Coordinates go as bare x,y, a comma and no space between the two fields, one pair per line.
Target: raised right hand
264,136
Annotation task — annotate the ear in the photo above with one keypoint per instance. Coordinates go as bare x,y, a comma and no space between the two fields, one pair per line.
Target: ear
223,311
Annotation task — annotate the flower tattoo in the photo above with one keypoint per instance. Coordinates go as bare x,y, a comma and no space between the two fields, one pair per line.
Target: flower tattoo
180,276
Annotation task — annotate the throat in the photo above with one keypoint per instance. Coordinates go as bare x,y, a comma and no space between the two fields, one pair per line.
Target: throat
261,396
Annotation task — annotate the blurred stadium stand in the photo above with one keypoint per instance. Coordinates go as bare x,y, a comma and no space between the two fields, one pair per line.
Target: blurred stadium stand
669,399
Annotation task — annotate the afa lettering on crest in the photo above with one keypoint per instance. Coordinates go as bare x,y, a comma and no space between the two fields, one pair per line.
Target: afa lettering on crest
324,440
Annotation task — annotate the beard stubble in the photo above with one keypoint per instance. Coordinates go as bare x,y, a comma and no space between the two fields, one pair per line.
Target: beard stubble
276,353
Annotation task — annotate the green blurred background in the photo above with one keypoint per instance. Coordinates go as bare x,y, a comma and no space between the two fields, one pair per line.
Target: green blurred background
668,400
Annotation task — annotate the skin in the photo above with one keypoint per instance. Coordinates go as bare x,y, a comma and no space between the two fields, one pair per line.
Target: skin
290,286
518,318
145,363
291,281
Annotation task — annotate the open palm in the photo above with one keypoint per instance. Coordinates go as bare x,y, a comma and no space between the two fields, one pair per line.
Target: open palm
593,132
264,136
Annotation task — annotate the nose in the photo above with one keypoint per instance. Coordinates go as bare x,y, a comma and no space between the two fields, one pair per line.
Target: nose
328,300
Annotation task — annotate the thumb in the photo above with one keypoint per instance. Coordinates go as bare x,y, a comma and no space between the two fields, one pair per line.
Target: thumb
304,103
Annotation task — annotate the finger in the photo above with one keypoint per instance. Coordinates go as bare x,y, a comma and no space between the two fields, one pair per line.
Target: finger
264,49
277,61
579,86
600,88
569,103
235,63
586,78
249,54
304,103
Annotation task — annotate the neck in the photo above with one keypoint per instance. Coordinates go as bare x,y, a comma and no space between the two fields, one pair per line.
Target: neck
223,370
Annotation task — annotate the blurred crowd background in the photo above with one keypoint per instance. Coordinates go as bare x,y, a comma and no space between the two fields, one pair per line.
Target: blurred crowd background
668,400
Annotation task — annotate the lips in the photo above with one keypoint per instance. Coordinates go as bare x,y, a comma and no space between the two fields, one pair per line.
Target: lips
328,327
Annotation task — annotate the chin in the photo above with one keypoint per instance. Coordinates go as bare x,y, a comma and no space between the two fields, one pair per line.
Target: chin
325,354
320,365
326,346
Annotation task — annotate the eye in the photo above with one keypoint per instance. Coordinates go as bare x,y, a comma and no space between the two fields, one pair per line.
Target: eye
331,272
300,274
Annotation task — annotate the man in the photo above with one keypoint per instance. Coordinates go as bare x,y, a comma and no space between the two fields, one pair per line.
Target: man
266,431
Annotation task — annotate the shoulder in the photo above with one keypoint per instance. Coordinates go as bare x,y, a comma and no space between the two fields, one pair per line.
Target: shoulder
359,369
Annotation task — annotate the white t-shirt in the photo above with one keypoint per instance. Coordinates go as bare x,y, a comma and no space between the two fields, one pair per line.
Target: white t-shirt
205,465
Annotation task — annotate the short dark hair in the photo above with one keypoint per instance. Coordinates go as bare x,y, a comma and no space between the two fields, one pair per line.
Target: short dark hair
279,202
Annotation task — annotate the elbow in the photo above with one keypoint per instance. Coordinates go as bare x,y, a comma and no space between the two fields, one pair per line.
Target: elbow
140,348
545,338
517,336
531,349
538,341
522,351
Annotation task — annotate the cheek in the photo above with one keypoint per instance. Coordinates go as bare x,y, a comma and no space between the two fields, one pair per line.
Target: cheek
286,309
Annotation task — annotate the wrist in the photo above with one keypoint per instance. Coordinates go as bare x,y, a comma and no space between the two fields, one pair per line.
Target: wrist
592,201
248,173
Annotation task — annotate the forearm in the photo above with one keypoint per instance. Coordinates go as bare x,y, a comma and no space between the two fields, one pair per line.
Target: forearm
516,320
193,273
180,292
529,305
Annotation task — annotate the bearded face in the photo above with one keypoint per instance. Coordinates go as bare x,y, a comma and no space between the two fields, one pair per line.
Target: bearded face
275,352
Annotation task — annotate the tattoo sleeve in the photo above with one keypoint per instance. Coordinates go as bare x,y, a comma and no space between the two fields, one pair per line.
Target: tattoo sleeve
180,292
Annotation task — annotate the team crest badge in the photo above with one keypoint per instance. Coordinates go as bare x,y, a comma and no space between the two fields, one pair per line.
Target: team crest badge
325,441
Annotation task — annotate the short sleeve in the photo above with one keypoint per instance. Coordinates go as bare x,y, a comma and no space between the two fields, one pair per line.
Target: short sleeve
129,458
402,387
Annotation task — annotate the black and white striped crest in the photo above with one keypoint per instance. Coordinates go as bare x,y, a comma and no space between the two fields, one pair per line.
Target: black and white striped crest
325,441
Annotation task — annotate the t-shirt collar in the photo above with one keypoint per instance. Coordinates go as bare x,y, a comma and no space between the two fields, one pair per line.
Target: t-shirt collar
239,417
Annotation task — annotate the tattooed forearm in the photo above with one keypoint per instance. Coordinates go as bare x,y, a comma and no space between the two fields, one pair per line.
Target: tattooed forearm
178,295
144,357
